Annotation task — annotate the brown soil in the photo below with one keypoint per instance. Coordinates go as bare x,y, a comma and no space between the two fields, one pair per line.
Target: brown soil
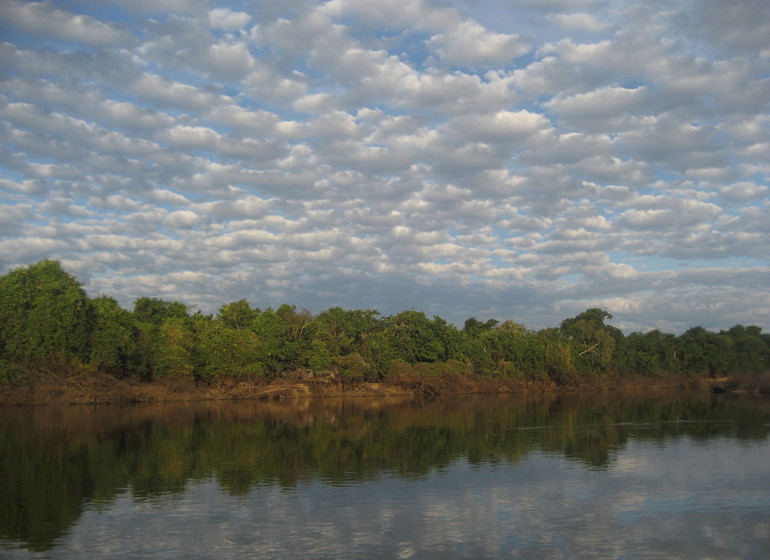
103,389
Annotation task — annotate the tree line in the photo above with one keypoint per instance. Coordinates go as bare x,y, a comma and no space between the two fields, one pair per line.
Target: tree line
48,323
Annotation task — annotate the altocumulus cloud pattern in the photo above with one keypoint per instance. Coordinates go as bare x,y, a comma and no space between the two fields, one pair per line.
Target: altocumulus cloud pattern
495,158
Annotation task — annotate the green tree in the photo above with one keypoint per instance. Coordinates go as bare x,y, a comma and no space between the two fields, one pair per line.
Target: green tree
155,310
163,349
175,348
338,333
751,353
221,351
237,315
651,353
350,368
475,347
344,331
46,318
473,327
593,341
414,338
114,339
513,350
704,353
283,337
559,355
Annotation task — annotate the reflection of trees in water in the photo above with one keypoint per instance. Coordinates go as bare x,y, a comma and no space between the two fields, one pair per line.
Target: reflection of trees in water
56,460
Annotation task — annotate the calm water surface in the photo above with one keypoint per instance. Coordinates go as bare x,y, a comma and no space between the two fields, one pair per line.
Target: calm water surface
617,476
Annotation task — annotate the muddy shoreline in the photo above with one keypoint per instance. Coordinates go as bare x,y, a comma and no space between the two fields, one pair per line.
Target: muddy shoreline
105,389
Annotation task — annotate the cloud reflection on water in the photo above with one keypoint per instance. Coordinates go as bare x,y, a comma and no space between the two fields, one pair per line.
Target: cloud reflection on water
679,501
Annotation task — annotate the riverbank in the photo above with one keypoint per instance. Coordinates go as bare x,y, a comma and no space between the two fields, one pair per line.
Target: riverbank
104,389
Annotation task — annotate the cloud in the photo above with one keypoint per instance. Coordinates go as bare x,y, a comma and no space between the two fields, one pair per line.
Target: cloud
741,26
503,126
744,192
462,158
171,94
403,13
664,212
469,44
607,109
580,21
228,20
44,20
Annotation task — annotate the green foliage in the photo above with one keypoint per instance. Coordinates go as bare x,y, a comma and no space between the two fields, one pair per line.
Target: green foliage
652,353
750,350
226,352
474,327
237,315
415,338
284,340
45,316
704,353
559,355
350,367
343,331
114,346
47,321
593,341
154,310
338,334
175,348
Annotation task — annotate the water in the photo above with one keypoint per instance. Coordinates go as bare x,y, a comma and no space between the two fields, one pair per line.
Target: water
632,476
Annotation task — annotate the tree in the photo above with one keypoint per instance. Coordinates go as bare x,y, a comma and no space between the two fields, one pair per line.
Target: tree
46,317
283,338
559,355
351,367
414,338
517,351
339,333
114,339
701,352
155,310
222,351
163,340
650,353
751,353
475,345
594,342
344,331
474,327
237,315
174,348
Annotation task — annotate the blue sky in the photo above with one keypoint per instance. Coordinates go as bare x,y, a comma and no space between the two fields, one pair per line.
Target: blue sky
513,160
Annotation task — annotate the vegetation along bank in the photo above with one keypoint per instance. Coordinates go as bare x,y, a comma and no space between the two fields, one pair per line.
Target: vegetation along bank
59,345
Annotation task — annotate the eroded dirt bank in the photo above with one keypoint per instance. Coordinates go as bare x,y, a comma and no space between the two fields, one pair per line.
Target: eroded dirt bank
104,389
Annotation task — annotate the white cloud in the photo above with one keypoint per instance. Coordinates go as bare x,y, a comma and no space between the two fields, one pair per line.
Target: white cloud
230,60
581,21
744,192
228,20
503,126
191,137
443,156
593,109
169,93
405,13
43,19
469,44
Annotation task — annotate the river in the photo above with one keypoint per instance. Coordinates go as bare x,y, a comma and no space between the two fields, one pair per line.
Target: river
615,475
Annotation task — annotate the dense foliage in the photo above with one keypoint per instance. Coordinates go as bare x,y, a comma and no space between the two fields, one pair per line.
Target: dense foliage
48,323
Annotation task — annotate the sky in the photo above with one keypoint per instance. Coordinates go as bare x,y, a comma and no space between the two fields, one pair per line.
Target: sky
522,160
